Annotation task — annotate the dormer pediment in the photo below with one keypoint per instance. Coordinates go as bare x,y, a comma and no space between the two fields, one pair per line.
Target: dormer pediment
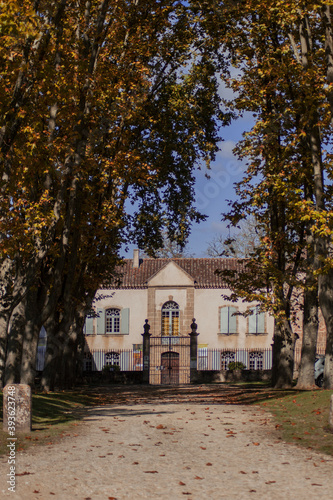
171,275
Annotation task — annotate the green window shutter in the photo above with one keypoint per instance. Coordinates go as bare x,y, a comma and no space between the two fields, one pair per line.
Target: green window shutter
100,321
261,322
124,321
232,320
253,321
89,326
224,320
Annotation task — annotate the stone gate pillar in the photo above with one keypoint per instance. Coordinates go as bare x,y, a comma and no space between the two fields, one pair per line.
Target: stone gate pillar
193,352
146,352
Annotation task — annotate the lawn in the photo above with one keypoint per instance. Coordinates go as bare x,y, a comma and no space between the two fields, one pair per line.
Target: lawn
302,418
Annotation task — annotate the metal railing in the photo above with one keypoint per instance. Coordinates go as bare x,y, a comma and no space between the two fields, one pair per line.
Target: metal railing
219,359
208,359
96,360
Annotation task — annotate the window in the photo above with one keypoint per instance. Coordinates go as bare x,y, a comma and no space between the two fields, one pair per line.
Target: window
42,337
226,358
87,362
256,322
256,360
112,358
112,321
228,320
170,319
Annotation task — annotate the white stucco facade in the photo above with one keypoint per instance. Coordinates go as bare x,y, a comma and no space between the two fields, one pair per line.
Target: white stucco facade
133,303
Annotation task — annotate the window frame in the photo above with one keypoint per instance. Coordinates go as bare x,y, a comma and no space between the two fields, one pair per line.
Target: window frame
227,357
112,321
170,310
256,358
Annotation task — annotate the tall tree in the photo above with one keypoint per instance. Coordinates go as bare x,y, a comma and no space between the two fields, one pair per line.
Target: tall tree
105,104
278,50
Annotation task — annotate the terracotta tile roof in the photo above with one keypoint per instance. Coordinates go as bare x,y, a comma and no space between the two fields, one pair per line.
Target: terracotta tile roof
202,270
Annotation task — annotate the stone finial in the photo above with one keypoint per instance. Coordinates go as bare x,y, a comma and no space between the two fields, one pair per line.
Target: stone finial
194,327
146,327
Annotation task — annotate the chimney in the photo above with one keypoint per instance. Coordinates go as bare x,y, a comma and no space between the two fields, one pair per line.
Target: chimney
136,258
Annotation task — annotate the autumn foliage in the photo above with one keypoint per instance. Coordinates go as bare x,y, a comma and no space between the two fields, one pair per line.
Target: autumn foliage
106,107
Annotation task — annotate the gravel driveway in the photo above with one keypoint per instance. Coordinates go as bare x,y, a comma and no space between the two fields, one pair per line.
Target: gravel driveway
171,451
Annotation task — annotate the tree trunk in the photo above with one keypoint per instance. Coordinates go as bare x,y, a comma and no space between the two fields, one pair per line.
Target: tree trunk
325,282
310,316
15,346
4,320
33,303
326,305
309,342
52,353
70,359
283,355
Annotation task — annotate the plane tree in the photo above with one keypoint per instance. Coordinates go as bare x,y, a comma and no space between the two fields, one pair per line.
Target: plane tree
107,108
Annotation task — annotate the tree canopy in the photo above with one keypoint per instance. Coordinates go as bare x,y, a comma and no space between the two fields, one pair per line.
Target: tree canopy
106,108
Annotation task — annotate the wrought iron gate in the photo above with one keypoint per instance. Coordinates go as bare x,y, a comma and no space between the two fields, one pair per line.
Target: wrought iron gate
169,360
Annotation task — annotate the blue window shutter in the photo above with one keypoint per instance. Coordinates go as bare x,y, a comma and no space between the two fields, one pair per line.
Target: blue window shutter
124,321
253,320
261,322
89,326
232,320
224,320
100,321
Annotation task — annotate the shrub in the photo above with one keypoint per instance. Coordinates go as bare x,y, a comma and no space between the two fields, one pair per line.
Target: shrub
236,365
111,368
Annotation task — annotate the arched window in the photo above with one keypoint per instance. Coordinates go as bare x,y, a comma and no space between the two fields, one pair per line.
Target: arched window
112,358
256,360
170,319
226,358
112,320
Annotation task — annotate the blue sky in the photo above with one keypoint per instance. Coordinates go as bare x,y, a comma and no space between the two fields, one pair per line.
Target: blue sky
212,194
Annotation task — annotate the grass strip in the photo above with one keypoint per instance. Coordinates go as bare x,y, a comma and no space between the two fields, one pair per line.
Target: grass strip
53,415
302,418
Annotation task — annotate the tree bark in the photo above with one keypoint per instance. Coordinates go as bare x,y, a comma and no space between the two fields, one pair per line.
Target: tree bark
326,306
283,355
309,342
15,346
